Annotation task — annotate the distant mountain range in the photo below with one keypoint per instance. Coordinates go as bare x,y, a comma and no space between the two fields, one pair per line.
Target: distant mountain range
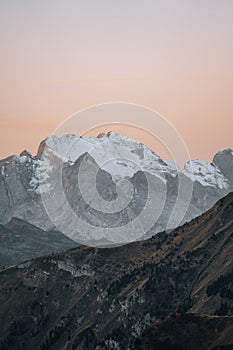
28,188
172,291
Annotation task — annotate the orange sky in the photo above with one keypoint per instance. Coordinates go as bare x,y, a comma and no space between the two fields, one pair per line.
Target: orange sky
174,56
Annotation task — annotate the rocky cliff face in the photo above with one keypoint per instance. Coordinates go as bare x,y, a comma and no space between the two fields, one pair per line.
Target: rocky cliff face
165,196
224,161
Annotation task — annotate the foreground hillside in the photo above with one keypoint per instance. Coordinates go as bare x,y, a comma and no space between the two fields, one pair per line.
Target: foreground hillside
146,295
188,331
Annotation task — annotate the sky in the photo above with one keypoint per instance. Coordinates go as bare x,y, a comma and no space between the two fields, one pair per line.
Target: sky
62,56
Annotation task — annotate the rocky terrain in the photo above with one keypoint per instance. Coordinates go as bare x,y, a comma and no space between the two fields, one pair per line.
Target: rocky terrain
172,291
32,188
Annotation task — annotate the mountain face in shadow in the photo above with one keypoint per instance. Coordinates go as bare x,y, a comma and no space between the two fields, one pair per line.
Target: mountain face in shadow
173,288
22,241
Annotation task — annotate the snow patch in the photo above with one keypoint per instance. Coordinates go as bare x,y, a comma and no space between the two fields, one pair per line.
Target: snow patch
23,159
70,267
42,169
3,170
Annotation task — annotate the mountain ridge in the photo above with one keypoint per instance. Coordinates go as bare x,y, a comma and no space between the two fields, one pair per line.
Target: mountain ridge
22,241
25,180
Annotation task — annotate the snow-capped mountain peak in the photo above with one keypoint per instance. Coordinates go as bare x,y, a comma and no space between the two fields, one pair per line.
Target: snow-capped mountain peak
117,154
26,180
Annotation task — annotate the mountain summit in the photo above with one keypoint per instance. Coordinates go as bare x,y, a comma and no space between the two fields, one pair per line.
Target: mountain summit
94,188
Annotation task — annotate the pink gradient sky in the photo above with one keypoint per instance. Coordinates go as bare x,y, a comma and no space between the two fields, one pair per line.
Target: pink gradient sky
174,56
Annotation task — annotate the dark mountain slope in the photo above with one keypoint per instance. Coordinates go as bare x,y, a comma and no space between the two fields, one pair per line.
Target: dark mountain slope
20,241
188,331
90,298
